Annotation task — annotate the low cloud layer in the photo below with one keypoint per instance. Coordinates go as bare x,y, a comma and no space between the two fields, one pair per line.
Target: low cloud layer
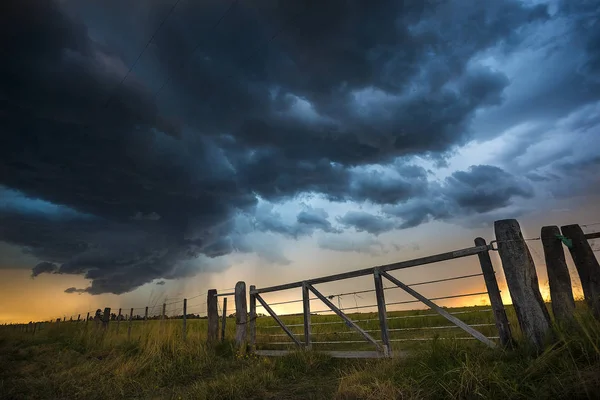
126,178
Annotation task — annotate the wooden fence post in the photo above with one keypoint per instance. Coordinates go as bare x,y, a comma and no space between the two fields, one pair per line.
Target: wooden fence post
118,321
491,284
586,264
146,315
87,318
241,315
382,313
106,318
184,332
306,312
78,317
224,320
213,315
35,328
559,280
164,312
130,322
252,340
522,281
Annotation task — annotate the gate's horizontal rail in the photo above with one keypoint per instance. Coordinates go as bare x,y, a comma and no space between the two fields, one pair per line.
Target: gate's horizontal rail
389,267
593,235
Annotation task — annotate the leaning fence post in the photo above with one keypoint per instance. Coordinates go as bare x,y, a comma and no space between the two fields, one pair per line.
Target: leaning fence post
224,320
522,280
382,313
586,264
106,318
118,321
241,315
129,326
491,284
306,311
559,280
213,315
184,332
252,339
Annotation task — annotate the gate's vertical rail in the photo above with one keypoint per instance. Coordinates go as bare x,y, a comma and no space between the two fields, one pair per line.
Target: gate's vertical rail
306,308
382,313
491,284
252,318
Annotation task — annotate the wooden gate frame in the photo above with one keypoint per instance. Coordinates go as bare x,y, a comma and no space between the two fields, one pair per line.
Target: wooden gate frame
384,349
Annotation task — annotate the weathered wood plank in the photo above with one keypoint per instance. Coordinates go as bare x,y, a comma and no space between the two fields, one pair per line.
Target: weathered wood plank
343,316
252,322
306,312
331,353
277,319
213,316
522,281
241,315
586,264
389,267
476,334
382,313
224,319
559,280
593,235
491,284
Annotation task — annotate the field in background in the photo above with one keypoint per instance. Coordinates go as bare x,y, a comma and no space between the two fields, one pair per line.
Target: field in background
74,361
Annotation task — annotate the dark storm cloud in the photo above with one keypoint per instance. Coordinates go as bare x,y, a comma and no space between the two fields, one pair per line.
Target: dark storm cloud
479,190
74,290
43,267
368,245
155,180
364,221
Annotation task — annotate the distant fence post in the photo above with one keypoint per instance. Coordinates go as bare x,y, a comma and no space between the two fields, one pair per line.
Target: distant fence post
306,312
559,280
118,321
213,315
106,318
87,318
491,284
586,264
184,331
241,315
382,313
35,328
522,281
129,325
164,312
224,320
252,339
146,314
78,317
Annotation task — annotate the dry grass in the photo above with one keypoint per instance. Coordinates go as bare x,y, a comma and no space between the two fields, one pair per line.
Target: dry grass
72,362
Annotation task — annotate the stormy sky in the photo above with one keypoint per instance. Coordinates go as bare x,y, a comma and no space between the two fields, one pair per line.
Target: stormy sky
154,141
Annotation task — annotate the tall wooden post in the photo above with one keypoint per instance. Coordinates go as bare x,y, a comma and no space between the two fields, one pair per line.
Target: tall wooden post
213,315
522,281
87,318
118,320
306,311
559,280
224,320
146,315
241,315
130,322
587,266
252,324
382,313
184,332
491,284
106,318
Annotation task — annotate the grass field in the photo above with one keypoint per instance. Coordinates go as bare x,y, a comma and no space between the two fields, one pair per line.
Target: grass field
72,361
